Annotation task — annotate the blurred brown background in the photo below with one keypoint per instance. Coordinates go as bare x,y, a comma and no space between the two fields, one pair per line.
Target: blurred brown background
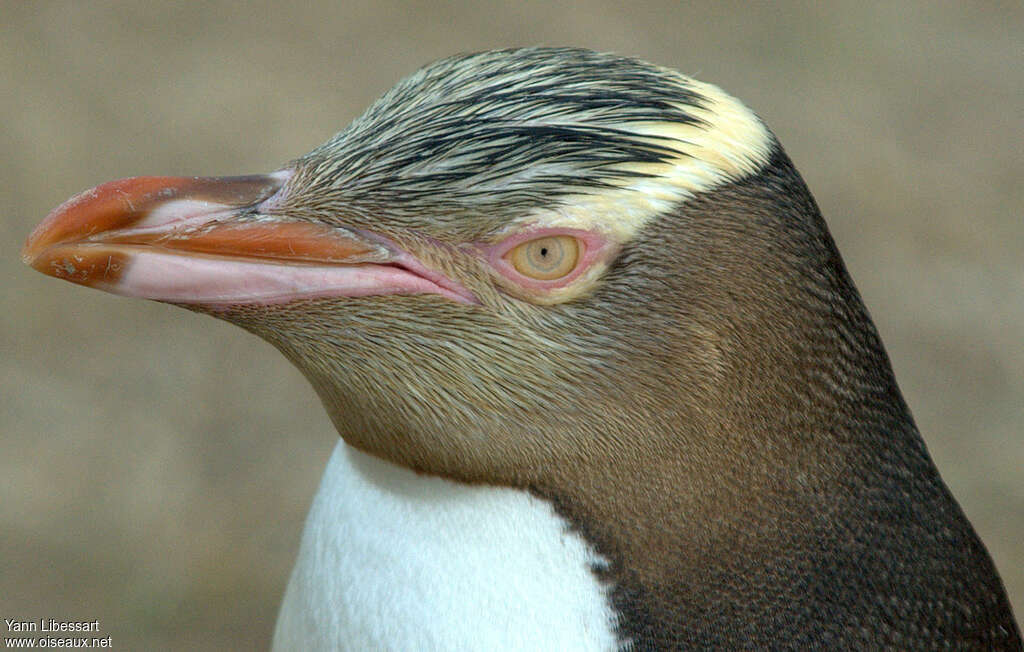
157,465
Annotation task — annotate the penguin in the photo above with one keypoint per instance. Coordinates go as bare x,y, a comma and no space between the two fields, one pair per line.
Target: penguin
601,378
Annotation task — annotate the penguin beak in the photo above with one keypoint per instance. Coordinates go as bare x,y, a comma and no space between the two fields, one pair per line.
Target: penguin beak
216,241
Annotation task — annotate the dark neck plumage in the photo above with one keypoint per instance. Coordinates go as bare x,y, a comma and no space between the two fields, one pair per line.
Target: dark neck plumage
797,504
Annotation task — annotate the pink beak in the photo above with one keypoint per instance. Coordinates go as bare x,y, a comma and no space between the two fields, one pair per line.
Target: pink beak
204,240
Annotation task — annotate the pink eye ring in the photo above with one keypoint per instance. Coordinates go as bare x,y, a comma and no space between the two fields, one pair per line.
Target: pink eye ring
546,259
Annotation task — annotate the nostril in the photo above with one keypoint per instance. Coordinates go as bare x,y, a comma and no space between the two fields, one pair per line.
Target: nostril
276,199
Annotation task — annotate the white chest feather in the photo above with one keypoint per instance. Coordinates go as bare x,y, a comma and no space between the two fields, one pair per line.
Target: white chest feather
392,560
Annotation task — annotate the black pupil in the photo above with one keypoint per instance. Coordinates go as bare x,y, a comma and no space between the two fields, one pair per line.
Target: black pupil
543,251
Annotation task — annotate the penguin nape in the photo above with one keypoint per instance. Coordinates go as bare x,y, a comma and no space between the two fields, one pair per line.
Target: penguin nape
601,376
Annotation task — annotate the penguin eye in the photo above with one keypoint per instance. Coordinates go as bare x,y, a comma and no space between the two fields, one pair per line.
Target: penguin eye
546,258
550,264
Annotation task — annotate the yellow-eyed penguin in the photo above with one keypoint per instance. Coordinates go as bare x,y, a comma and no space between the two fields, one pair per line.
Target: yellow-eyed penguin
601,376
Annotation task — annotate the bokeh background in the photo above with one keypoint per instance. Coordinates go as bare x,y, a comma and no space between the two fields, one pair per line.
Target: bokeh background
156,465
